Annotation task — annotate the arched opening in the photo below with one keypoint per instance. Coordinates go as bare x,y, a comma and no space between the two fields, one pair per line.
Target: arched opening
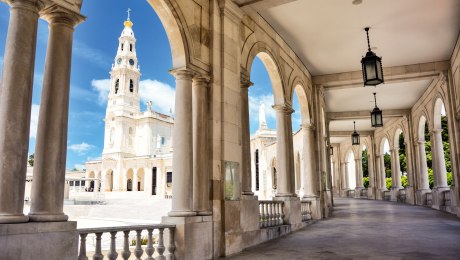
139,185
351,177
365,166
274,177
129,180
441,147
90,184
265,93
426,177
98,182
400,146
387,162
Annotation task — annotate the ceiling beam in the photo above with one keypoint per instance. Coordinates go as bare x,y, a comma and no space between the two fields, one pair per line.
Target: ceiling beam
394,74
261,4
365,114
348,133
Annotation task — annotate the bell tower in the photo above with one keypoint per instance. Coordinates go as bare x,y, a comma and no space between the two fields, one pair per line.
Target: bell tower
123,104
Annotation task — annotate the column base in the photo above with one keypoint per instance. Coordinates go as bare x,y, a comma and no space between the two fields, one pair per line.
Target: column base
47,240
181,213
45,217
203,213
284,195
247,193
9,219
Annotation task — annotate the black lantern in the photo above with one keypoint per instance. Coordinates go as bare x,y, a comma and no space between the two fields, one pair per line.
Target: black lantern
354,136
372,66
376,115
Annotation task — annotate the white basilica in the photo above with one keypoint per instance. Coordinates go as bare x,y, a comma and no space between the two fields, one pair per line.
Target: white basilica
137,153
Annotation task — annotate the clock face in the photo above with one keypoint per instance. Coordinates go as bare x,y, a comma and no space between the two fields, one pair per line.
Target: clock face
119,60
131,62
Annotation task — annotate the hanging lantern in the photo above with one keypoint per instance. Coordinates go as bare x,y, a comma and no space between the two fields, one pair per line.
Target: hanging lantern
331,150
376,115
355,135
372,66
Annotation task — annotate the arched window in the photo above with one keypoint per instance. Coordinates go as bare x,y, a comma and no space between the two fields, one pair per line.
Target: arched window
131,85
122,46
130,47
117,83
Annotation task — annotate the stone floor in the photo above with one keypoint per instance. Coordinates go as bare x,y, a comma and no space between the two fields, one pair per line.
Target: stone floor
367,229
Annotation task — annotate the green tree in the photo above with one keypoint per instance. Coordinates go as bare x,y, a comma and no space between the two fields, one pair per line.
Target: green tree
388,183
404,181
402,154
31,160
387,162
366,182
365,163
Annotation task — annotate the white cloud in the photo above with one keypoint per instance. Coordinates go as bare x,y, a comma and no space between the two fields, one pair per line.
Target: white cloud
102,86
81,148
161,94
34,121
254,103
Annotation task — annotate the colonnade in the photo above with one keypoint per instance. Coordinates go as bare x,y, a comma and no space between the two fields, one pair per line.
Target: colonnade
15,112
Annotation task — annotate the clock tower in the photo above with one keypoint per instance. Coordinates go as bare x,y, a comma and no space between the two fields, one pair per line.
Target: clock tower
123,104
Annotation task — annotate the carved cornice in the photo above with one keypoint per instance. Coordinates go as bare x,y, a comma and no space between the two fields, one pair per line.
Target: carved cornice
287,109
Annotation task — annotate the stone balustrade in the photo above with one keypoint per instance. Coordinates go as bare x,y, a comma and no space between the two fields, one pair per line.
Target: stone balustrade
446,195
153,249
305,210
429,199
401,196
270,213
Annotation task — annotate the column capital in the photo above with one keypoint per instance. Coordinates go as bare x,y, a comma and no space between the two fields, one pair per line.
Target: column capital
183,73
284,108
56,14
436,130
308,126
201,80
31,5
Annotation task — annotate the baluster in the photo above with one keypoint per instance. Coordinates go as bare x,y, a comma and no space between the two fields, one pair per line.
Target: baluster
275,213
281,213
272,214
126,253
150,249
98,254
138,251
260,216
113,252
280,209
82,255
264,215
171,245
302,211
161,246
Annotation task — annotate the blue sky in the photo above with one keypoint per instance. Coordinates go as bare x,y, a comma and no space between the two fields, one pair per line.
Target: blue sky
94,49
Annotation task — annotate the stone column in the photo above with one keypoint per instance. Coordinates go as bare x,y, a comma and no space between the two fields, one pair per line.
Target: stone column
283,150
309,180
383,176
397,169
15,107
245,140
424,183
182,201
372,174
51,144
359,173
440,168
200,171
347,180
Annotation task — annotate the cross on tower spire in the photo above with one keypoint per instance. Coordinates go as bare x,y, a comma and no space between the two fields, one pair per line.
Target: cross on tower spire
129,13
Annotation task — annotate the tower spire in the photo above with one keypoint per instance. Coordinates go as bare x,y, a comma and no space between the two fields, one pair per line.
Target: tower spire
262,118
129,13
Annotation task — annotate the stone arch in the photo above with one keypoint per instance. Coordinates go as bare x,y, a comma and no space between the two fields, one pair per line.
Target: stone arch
175,27
302,95
397,132
273,173
421,127
262,51
140,186
129,180
437,109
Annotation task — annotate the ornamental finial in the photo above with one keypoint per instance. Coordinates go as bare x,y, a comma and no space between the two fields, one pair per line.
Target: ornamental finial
128,22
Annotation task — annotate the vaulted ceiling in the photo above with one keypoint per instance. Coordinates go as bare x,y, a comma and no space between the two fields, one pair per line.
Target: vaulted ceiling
328,36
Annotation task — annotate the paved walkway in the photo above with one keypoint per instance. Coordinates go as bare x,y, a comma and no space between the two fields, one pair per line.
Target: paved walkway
366,229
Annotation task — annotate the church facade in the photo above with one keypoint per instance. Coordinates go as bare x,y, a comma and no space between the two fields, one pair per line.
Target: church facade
137,154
